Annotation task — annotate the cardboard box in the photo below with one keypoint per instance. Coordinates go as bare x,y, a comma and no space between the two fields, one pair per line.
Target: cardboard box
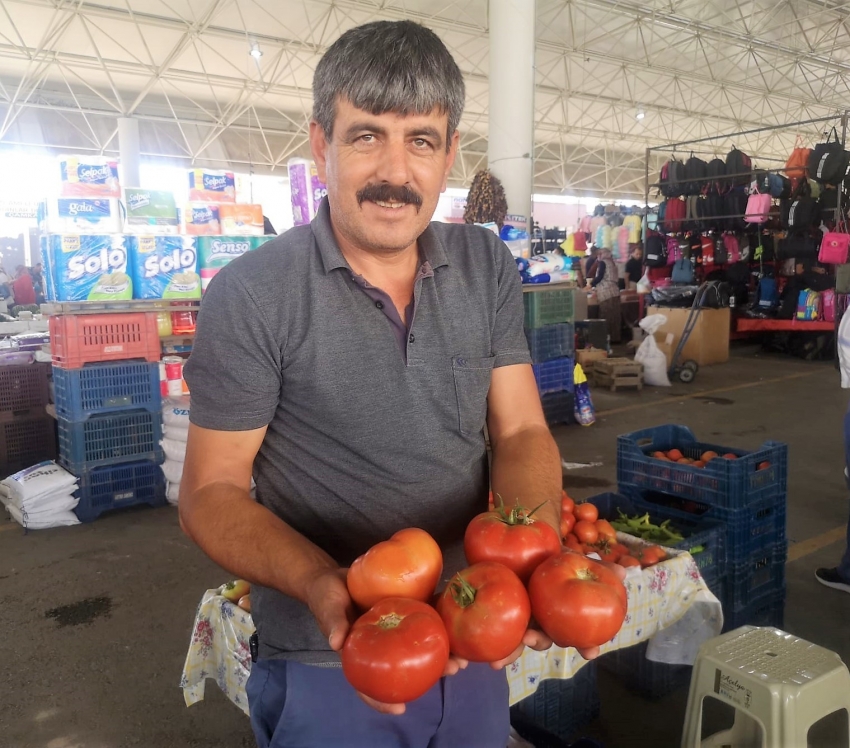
586,357
709,340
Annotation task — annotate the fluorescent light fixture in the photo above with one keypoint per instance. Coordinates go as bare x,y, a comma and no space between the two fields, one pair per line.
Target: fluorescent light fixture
256,52
640,114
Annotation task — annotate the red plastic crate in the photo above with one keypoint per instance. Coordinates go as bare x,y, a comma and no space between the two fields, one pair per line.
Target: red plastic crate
78,339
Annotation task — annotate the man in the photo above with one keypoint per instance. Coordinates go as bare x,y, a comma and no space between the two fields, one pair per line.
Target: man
634,266
22,288
352,364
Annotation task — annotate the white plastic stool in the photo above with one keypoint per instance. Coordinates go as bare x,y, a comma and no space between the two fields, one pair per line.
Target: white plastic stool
778,684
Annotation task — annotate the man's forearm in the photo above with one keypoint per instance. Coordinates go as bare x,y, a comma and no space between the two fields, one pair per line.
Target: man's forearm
249,541
526,469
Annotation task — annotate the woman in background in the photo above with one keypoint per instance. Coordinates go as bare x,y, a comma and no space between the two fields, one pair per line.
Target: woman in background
605,281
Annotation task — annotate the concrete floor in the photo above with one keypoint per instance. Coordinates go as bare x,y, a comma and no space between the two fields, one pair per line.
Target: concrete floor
113,682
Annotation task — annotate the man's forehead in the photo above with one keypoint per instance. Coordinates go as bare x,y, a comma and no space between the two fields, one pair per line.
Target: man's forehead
346,109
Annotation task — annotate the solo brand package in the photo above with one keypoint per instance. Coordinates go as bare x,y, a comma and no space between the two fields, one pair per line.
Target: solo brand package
164,267
84,267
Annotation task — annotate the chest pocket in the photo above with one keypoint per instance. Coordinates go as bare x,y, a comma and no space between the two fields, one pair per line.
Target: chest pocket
472,383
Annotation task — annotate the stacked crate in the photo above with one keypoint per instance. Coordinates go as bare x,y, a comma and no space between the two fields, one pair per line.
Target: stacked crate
109,408
27,432
548,320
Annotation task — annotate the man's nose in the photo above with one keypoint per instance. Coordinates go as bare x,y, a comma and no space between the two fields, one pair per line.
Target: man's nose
393,164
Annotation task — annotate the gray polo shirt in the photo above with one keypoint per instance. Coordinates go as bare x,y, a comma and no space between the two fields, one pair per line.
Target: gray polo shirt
362,440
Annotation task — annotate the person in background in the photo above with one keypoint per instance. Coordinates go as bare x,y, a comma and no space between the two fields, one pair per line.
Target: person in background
590,262
838,577
37,274
22,288
634,266
608,293
5,284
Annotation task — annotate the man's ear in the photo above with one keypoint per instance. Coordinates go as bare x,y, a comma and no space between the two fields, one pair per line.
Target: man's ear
319,148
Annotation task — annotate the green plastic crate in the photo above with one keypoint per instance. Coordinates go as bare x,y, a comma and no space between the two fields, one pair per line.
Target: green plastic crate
547,306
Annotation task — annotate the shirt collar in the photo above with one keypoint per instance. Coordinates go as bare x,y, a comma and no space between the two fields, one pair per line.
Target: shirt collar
430,245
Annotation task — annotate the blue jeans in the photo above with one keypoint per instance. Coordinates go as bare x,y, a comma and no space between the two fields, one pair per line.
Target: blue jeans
306,706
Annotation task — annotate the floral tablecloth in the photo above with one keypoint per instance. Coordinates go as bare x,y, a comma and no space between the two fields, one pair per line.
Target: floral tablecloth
669,604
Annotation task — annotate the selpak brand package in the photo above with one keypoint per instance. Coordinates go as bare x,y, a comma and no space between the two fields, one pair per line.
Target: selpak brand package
80,215
150,211
202,219
241,219
306,190
164,267
206,186
89,267
214,252
88,176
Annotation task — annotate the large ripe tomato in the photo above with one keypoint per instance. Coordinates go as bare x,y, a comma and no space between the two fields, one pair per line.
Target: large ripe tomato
510,536
409,564
486,611
396,651
578,602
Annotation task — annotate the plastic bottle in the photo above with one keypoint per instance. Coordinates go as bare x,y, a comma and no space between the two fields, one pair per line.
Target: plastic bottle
163,324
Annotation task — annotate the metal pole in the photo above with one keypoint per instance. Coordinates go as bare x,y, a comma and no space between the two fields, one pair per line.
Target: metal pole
128,150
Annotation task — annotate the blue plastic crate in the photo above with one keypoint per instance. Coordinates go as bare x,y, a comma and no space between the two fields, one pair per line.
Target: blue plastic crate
110,438
107,388
730,484
117,486
765,610
707,533
759,525
559,407
651,680
563,706
551,341
761,575
555,375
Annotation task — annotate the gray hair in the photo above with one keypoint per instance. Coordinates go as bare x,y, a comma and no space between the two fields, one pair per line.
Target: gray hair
389,66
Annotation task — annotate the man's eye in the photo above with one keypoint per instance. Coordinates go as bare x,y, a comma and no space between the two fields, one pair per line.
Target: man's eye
421,143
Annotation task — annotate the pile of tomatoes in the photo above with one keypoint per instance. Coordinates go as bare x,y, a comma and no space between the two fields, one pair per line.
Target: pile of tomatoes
675,455
583,532
398,649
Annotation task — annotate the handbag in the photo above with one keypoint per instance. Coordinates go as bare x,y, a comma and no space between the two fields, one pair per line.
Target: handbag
758,207
795,166
834,246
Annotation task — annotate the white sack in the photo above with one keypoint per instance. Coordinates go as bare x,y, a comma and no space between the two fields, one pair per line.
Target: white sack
39,480
173,471
176,433
650,355
43,520
175,411
174,449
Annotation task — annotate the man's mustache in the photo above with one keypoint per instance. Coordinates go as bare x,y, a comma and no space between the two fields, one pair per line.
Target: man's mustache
389,193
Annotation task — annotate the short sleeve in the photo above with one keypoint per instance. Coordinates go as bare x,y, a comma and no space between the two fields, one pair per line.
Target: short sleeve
509,345
234,372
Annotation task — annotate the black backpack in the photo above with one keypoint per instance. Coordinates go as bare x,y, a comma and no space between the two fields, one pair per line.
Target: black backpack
735,206
721,254
716,175
696,171
800,213
829,205
797,246
655,255
715,210
671,182
739,168
768,254
694,213
828,161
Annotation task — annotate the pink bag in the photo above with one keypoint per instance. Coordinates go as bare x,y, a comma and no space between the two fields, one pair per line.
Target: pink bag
674,251
758,208
833,248
733,249
828,304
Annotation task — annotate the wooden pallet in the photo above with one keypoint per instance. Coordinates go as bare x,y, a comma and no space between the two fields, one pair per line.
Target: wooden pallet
618,372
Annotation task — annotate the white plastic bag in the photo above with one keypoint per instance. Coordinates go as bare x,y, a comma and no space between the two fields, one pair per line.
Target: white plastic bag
43,520
173,471
37,481
644,285
175,412
650,355
175,449
172,493
176,433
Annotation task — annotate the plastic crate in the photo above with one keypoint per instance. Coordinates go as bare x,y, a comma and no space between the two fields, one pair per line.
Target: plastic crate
698,532
547,306
117,486
761,575
559,407
25,441
551,341
563,706
555,375
23,388
77,339
731,484
110,438
759,525
652,680
103,388
765,610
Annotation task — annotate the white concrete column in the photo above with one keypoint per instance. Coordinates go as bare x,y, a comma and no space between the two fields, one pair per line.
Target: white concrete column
510,146
128,150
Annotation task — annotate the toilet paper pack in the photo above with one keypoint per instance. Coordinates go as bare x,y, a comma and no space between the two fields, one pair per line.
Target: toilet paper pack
202,219
209,186
241,219
80,215
87,267
164,267
306,189
150,211
88,176
214,252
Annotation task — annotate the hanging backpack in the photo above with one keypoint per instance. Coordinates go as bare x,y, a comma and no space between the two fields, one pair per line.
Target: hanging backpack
733,250
683,272
715,173
828,204
828,304
674,250
694,212
707,249
828,161
696,171
834,246
721,255
764,248
739,168
801,211
797,163
808,305
671,181
772,184
715,212
758,207
655,254
580,243
674,214
735,206
797,246
767,295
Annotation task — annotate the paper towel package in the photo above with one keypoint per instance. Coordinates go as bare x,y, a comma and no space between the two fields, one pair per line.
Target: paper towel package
150,211
208,186
306,190
202,219
80,215
87,267
241,219
164,267
214,252
88,176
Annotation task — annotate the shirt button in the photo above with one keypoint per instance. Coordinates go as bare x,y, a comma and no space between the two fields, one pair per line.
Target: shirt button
411,338
379,304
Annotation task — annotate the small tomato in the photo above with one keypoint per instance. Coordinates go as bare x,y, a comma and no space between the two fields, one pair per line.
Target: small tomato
606,531
587,512
627,561
567,504
568,521
586,531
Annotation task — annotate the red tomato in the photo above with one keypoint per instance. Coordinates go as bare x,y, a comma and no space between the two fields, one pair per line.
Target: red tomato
627,561
568,522
651,556
396,651
674,455
730,456
572,542
486,611
510,536
409,564
607,551
586,531
603,527
763,465
623,550
587,512
578,602
567,504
